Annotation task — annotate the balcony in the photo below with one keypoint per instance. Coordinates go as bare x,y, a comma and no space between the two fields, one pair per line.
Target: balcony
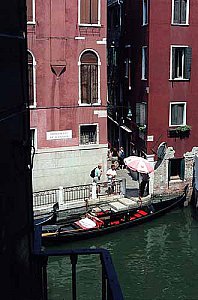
110,288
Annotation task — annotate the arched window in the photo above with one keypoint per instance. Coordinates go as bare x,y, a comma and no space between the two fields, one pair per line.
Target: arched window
89,78
31,79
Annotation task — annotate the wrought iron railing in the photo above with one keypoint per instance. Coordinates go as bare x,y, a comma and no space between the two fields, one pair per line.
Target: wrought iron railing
76,193
110,287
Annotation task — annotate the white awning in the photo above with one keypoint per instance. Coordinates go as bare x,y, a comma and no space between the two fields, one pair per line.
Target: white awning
127,129
113,121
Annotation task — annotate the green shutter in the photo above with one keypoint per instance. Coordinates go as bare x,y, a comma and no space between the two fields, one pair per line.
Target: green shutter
187,64
173,63
183,11
182,169
176,18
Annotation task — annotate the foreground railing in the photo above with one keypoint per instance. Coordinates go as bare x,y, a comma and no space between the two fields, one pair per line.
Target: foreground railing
110,287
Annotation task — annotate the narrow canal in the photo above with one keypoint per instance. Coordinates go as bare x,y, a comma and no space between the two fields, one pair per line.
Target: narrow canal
157,260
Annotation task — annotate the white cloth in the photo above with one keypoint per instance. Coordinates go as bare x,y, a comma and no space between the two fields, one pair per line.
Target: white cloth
111,173
88,223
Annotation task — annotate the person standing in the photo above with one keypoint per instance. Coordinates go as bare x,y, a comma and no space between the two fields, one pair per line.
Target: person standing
111,176
143,183
96,179
121,157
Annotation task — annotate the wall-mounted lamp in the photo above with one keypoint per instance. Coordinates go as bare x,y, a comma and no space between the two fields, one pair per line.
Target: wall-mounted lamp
129,114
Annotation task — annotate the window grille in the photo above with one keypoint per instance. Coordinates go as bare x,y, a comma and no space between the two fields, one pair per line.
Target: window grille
88,134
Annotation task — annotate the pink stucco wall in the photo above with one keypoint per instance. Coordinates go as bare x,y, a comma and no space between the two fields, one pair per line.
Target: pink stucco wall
162,91
52,41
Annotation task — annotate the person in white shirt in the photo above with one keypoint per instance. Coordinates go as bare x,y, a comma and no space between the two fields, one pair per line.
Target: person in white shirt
96,179
111,176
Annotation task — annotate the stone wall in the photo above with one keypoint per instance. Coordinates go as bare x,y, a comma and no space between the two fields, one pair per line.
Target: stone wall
161,184
67,166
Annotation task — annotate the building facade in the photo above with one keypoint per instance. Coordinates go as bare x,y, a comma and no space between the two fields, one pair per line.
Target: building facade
163,94
67,90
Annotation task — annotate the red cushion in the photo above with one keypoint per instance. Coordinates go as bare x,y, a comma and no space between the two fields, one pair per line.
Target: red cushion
142,212
137,215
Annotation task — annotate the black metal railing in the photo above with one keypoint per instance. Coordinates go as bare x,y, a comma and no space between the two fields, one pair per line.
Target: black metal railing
110,287
76,193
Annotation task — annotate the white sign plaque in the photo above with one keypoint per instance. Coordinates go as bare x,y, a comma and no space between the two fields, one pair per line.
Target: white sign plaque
59,135
150,138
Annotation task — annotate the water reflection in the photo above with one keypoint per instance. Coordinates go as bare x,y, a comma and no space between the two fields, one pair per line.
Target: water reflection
157,260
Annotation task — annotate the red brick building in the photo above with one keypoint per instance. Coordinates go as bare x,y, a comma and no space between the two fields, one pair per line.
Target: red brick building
159,40
67,89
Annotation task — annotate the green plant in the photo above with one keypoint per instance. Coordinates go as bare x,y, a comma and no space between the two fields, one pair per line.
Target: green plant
142,128
183,128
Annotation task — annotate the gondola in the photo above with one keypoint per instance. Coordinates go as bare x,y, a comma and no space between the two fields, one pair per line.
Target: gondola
107,218
50,218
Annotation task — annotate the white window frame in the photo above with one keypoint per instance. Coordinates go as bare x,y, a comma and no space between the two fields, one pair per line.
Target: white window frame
171,60
88,24
35,137
187,14
79,79
97,133
144,12
34,78
144,62
184,115
33,22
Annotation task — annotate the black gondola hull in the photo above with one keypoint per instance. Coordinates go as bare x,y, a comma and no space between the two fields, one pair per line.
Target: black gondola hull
160,209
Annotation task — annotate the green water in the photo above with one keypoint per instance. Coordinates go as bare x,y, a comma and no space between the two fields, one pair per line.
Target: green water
157,260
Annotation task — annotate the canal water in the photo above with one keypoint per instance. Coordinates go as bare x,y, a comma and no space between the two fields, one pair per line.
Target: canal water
154,261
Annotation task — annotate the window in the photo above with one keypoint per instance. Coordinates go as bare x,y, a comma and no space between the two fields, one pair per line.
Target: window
30,11
141,109
177,114
144,62
89,78
89,12
176,169
180,12
88,134
145,12
127,74
33,138
31,79
181,57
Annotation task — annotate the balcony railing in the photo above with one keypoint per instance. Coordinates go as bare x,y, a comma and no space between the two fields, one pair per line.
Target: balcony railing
110,287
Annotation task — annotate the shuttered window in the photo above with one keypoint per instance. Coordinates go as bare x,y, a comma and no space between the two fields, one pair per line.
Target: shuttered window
144,12
144,62
30,10
181,62
89,78
176,169
178,113
180,11
30,79
141,109
89,11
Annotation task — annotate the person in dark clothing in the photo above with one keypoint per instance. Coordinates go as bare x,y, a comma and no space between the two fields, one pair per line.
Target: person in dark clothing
121,157
144,184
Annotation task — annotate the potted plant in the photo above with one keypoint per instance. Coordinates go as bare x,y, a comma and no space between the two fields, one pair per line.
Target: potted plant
180,131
